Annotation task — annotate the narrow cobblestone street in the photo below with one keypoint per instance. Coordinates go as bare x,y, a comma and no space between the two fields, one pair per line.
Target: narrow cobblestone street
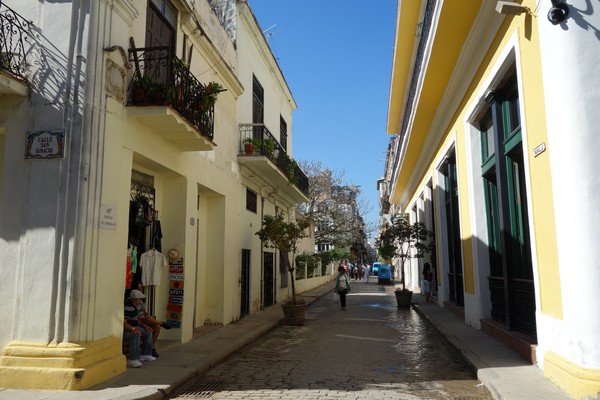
371,351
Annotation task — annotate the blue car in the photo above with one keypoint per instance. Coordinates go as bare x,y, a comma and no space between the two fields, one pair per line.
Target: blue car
385,275
375,268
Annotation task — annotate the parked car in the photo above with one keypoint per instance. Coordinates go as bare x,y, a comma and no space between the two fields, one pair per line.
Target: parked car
375,268
385,274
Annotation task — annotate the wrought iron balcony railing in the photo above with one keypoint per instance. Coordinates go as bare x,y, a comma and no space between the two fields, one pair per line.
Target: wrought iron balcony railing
256,139
14,40
162,79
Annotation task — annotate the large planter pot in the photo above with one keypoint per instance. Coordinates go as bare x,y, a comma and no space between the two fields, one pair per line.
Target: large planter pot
403,298
293,314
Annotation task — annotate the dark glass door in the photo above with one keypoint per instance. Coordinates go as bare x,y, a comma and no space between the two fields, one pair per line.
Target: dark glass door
269,281
245,283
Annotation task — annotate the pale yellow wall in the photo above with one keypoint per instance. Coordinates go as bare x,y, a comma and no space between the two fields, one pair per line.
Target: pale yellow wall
256,59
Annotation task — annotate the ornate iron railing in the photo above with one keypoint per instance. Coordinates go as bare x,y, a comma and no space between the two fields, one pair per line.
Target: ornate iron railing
262,142
160,78
14,40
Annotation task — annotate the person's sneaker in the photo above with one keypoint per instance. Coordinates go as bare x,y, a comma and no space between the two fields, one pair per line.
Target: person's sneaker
154,353
134,363
166,325
147,358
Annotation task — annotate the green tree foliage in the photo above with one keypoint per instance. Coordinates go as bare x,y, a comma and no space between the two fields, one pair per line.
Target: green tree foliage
403,240
278,233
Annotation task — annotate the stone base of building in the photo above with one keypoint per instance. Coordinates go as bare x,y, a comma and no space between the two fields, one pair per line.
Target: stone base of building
60,366
520,343
578,382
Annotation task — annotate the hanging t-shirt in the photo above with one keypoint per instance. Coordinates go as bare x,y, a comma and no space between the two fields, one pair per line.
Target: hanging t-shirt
152,263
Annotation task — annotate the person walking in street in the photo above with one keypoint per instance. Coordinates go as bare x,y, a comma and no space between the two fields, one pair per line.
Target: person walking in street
366,273
426,283
342,286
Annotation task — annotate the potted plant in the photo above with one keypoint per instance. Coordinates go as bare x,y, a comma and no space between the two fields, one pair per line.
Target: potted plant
148,91
278,233
141,89
209,95
249,145
403,240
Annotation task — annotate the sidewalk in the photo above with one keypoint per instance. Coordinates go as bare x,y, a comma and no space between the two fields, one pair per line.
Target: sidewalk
506,375
501,370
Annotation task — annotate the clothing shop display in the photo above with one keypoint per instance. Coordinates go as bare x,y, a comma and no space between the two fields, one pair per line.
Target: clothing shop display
156,233
131,267
152,263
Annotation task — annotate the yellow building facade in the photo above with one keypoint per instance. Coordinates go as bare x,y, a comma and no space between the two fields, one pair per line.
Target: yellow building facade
483,156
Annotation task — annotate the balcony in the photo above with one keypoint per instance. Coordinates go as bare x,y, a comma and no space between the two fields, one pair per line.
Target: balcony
170,101
263,156
14,43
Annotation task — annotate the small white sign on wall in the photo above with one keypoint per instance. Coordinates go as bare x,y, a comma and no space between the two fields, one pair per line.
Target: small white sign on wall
108,217
43,145
539,149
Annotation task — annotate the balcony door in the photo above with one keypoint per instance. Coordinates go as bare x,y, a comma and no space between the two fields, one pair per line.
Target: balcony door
161,19
258,108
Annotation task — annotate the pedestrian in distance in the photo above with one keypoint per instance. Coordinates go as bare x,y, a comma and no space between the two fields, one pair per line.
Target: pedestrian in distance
426,283
366,273
342,286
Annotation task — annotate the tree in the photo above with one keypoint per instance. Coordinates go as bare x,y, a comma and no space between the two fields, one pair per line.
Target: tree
284,236
335,209
402,239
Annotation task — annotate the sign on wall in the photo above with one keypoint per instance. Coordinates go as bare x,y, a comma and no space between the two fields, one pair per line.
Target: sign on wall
108,217
175,304
42,145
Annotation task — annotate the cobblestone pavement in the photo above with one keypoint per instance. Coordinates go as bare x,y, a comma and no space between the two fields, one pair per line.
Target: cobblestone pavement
371,351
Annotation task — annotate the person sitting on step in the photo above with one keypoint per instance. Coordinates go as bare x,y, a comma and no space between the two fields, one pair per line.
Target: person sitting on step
136,332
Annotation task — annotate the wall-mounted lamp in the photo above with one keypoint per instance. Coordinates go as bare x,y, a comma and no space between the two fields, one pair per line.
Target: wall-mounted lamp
558,12
510,8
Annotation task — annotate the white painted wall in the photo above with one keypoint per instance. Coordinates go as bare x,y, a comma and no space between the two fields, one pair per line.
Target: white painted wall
571,67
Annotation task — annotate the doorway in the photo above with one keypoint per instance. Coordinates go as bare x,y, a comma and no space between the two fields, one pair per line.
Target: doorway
268,276
245,283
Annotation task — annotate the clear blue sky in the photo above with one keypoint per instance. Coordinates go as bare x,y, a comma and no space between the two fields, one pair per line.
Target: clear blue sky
336,56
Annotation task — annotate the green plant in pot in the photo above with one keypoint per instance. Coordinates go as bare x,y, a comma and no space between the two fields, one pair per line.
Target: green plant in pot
267,147
209,95
249,145
147,90
284,235
403,240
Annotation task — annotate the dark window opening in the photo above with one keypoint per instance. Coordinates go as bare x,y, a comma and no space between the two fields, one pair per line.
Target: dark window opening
251,201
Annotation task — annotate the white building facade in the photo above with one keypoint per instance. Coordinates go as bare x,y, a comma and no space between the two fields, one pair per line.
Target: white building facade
83,150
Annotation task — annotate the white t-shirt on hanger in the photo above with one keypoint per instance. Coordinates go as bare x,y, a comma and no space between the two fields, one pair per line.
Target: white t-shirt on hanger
152,263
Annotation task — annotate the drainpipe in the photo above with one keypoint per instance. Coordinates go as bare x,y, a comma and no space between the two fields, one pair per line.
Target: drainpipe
262,255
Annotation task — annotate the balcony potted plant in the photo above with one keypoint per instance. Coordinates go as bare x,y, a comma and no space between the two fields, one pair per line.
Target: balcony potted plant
267,147
404,241
249,145
284,235
209,95
148,91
